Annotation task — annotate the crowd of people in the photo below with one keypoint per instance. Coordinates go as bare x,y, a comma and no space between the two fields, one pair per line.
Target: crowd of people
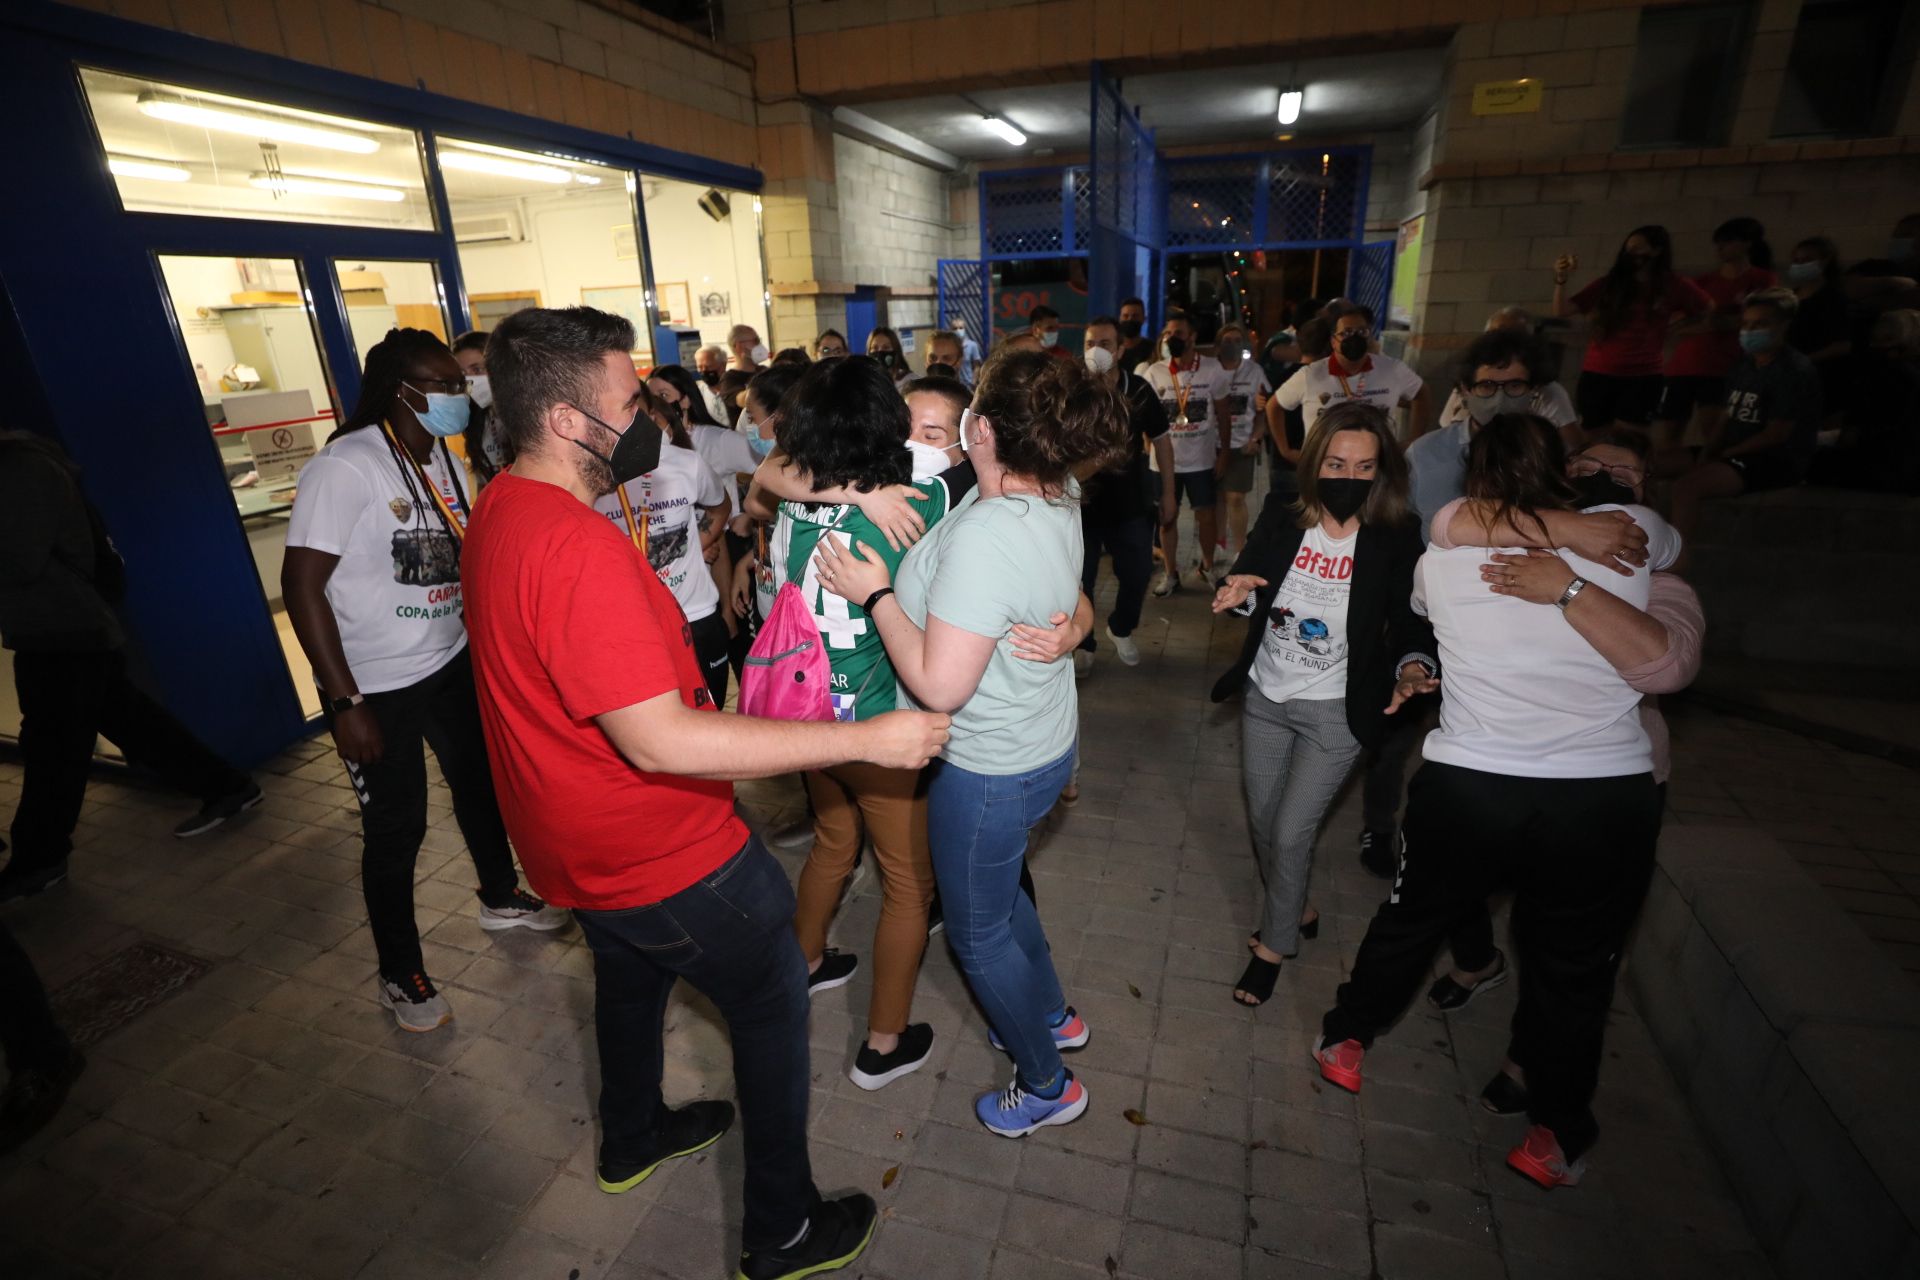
560,608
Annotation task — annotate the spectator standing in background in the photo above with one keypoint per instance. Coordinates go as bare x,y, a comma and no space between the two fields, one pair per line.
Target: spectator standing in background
1822,329
1184,381
945,354
829,344
1708,347
1044,323
883,344
1287,428
1240,392
709,363
1136,348
749,353
484,450
1548,399
1632,307
1353,371
969,350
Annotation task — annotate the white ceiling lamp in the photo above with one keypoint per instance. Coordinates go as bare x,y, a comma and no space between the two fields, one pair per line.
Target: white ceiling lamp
1290,100
501,167
326,187
273,128
1005,131
151,170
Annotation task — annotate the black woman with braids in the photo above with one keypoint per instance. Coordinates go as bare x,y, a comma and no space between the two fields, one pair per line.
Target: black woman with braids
372,585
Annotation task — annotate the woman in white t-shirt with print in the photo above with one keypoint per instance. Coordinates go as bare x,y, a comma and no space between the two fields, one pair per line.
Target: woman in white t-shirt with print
1333,648
679,512
1538,779
372,585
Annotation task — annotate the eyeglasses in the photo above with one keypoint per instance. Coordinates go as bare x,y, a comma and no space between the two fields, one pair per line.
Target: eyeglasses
1513,387
1625,472
452,386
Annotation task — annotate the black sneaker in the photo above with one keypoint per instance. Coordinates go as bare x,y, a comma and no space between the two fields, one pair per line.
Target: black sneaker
215,812
1379,853
1447,995
836,970
25,882
32,1099
837,1233
688,1129
873,1070
1504,1096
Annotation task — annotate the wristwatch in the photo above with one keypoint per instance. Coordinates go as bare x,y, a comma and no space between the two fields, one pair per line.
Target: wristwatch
348,703
1574,588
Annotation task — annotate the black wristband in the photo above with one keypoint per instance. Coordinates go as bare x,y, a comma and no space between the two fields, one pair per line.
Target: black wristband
876,598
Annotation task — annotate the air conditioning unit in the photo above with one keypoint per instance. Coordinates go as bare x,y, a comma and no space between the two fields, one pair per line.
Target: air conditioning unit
489,228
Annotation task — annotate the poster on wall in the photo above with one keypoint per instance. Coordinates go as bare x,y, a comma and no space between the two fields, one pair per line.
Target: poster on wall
1406,269
676,304
713,306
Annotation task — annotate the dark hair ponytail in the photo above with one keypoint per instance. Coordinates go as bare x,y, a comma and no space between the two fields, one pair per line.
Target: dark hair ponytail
1050,417
1517,463
386,369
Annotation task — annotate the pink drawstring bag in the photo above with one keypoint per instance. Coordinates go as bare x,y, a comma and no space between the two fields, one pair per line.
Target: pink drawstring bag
786,675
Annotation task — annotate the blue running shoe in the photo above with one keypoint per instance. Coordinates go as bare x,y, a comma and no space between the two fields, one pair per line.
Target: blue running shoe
1015,1113
1070,1032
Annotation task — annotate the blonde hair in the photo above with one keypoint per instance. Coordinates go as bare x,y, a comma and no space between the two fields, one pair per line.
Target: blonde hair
1386,502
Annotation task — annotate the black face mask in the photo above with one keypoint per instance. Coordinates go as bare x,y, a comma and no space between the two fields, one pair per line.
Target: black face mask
711,377
1130,329
1600,488
1176,347
1344,496
1353,346
635,452
886,358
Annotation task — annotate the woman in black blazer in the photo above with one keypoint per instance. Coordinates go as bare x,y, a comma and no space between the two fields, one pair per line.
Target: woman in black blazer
1333,648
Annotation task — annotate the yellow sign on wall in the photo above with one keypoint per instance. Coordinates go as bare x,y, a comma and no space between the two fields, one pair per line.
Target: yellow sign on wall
1506,97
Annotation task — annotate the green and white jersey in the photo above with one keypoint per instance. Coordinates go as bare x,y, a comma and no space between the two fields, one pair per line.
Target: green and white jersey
863,680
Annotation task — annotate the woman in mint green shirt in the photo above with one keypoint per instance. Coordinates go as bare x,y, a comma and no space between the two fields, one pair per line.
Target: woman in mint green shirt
953,630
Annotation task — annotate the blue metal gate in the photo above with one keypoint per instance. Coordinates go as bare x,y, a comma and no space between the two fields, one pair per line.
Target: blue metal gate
963,295
1128,209
1370,278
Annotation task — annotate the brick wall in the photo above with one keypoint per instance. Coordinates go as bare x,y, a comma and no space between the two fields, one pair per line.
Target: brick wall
894,224
605,65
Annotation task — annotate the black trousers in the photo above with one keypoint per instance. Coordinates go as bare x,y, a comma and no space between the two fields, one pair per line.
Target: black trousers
66,700
1578,855
28,1033
713,646
442,712
1130,543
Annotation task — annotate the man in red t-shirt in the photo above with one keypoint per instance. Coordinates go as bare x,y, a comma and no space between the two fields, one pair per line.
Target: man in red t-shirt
612,767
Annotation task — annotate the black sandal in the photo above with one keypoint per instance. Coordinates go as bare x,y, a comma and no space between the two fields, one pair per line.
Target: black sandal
1308,932
1447,995
1257,981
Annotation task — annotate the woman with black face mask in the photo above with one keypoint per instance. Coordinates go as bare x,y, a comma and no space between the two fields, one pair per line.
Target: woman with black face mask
883,344
1333,648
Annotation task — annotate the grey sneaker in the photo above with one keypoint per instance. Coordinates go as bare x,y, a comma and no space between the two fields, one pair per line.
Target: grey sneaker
522,911
1125,648
416,1005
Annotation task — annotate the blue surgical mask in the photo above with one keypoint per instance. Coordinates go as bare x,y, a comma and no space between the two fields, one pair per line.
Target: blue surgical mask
761,448
1804,273
1050,338
1756,342
446,415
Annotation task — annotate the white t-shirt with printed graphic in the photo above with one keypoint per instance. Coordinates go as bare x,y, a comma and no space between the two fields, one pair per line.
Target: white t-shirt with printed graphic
1241,388
1380,380
1197,443
395,594
673,493
1304,653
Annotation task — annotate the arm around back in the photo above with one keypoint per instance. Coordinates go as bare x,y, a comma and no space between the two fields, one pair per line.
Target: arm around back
664,735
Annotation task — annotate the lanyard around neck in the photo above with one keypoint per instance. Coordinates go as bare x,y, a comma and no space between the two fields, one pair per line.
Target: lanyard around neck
455,519
636,532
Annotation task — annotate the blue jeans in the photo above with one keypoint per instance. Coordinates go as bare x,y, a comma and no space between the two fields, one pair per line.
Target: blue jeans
731,936
977,825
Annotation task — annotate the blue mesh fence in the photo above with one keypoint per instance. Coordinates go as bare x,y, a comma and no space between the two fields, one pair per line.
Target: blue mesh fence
1027,213
1370,277
963,294
1268,200
1126,201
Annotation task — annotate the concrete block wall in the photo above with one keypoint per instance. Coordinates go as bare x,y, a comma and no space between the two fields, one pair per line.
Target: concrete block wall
1796,1041
894,216
605,65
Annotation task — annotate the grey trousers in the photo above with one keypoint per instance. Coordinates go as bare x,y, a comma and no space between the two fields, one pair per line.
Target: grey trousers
1294,757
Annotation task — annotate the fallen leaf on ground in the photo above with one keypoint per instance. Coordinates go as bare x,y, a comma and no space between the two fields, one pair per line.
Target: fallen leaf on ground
886,1179
1135,990
1134,1117
1113,1268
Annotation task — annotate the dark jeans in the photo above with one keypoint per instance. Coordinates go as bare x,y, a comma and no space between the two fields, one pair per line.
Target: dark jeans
1130,543
442,711
713,647
28,1033
1578,854
730,936
66,699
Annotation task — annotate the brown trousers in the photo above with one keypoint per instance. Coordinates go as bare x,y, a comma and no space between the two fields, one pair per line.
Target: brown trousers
849,802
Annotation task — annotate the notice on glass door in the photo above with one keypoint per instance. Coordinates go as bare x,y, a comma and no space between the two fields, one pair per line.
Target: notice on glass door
279,431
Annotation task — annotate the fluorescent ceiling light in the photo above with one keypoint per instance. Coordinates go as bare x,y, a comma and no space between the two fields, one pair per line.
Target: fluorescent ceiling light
275,128
586,179
1290,105
501,167
151,170
996,125
326,187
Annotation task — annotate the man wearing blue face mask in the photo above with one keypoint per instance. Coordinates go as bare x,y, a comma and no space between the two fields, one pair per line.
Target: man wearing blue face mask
372,586
1773,415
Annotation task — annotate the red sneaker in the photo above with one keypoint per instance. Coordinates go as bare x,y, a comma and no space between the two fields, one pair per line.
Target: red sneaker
1540,1158
1340,1063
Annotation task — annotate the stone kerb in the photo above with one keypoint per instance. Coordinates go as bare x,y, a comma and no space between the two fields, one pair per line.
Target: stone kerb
1797,1043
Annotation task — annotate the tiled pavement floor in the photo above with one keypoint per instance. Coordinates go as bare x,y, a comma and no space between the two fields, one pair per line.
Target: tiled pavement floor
271,1121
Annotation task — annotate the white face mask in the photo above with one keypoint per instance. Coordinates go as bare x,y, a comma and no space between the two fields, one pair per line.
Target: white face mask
759,353
1099,359
481,390
1051,338
928,460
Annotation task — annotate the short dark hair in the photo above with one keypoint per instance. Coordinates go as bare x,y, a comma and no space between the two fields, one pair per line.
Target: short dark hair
956,392
844,422
545,356
1050,416
471,340
1042,312
1111,322
1316,339
792,355
769,387
1132,302
1504,346
829,333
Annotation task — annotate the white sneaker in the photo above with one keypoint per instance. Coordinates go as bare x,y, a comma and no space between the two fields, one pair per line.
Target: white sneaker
1082,663
525,912
1125,648
416,1005
1166,583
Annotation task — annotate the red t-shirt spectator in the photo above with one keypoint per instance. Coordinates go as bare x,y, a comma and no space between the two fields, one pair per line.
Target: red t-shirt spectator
1638,348
567,621
1713,353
